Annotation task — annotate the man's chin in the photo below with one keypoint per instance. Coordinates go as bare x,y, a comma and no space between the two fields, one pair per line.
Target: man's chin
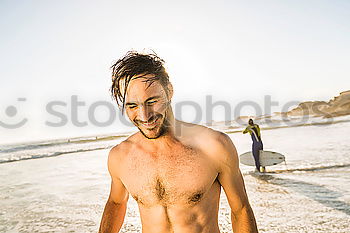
151,133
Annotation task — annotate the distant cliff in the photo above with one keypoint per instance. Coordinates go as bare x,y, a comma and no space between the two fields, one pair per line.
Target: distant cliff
338,106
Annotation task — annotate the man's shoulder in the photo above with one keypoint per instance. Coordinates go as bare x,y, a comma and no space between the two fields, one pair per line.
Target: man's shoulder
218,147
119,153
201,130
211,140
223,152
122,149
215,136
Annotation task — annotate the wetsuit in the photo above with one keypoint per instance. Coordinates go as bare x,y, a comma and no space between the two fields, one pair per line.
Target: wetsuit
254,132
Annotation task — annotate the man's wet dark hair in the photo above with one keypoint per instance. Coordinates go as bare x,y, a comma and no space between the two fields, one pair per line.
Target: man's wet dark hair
134,64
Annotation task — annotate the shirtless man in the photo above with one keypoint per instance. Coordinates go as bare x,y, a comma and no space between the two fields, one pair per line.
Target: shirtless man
174,170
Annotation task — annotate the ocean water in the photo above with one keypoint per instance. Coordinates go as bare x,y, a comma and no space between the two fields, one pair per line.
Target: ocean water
312,192
62,186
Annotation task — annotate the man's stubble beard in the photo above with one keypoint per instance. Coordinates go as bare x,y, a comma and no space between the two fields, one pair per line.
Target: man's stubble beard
163,129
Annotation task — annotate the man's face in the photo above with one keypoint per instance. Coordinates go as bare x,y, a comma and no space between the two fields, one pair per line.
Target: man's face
251,122
146,106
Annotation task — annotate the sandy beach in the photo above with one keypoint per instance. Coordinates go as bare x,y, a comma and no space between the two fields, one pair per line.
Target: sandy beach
67,193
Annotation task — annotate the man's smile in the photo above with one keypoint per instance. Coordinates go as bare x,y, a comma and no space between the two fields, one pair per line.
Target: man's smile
150,124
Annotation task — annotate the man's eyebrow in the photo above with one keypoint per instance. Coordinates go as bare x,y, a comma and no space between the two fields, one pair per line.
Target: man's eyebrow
149,99
153,97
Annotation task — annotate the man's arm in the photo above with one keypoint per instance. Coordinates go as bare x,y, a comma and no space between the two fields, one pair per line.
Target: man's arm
231,180
258,128
246,130
115,209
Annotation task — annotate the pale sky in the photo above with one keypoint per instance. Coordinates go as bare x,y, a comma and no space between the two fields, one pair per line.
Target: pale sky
292,50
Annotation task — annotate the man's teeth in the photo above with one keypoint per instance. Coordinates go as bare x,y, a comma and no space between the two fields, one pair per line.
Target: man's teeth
150,123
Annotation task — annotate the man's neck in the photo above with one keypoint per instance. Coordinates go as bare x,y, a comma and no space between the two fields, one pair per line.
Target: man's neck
173,129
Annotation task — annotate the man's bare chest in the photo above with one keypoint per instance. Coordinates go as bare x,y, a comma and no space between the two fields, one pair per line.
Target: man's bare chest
166,178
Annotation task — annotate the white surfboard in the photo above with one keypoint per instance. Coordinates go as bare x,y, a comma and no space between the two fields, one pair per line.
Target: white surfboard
267,158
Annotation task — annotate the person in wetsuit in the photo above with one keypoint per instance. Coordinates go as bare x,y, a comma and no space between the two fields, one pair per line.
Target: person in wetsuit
254,131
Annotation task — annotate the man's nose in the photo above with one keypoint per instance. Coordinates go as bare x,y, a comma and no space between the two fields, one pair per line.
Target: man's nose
144,113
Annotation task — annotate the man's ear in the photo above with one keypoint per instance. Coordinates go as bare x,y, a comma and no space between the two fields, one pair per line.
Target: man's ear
170,91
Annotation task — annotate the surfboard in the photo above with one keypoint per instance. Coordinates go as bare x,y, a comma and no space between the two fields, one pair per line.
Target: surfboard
267,158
